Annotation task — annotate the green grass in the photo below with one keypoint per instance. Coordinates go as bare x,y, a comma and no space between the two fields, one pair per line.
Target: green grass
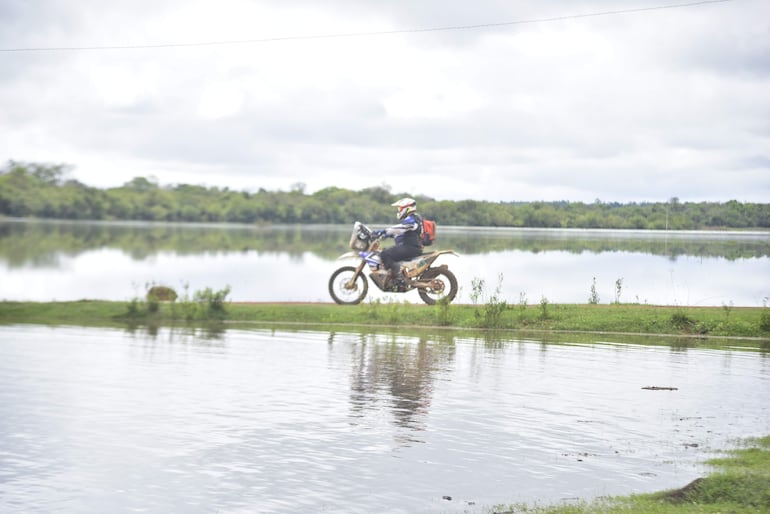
689,323
740,483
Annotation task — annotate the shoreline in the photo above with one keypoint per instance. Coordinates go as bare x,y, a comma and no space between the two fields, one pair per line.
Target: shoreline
751,324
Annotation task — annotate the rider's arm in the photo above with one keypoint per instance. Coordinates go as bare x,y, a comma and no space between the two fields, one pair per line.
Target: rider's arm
409,223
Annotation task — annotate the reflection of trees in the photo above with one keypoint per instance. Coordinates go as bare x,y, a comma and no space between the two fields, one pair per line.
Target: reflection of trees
397,371
209,334
474,241
40,244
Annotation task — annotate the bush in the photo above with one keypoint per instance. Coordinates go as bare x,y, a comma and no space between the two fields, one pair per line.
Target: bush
161,294
494,307
764,320
443,314
212,302
682,321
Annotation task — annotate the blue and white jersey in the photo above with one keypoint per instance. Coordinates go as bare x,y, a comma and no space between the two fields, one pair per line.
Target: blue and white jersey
407,232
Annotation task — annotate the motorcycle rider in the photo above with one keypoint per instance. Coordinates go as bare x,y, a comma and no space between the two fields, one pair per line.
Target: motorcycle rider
407,234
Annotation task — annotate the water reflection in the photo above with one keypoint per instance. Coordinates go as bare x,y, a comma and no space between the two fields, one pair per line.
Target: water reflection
211,331
271,420
44,261
44,243
400,373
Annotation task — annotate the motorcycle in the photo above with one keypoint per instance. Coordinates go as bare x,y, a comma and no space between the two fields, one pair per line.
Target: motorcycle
348,285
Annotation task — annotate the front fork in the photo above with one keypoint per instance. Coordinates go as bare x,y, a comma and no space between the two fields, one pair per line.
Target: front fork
352,282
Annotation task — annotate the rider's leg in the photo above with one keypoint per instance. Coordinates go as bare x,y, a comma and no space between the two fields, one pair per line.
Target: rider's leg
392,257
390,261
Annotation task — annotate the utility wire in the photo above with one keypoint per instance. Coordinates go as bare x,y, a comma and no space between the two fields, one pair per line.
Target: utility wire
367,34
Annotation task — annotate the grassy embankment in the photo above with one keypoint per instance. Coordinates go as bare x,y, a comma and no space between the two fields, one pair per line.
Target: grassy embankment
712,322
739,484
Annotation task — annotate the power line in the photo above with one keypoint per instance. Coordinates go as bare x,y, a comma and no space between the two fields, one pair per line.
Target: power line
367,34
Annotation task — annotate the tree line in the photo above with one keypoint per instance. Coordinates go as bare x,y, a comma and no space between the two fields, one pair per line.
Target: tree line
44,191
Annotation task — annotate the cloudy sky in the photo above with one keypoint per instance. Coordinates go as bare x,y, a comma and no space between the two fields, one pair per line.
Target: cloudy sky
529,100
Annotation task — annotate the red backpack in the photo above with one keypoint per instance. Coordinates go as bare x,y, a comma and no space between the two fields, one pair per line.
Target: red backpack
428,232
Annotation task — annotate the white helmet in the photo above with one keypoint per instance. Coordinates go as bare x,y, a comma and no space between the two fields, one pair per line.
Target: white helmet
405,206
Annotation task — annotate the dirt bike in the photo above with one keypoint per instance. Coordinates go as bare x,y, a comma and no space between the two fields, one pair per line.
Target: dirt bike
348,285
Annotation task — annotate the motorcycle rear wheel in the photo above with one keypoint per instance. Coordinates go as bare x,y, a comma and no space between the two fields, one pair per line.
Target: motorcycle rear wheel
447,293
347,295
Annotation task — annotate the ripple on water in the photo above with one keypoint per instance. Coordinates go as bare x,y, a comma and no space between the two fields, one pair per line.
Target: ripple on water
94,420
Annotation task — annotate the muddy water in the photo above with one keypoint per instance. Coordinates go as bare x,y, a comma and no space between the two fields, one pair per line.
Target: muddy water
104,420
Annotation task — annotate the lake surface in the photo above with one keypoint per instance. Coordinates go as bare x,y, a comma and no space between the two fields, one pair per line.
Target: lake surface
43,261
272,420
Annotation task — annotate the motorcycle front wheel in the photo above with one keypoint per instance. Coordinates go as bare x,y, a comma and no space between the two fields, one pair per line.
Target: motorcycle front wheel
345,292
446,286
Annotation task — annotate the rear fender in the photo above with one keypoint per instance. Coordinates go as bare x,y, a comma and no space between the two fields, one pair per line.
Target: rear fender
419,264
435,255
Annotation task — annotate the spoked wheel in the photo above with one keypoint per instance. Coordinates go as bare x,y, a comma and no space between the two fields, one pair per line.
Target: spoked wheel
444,286
345,292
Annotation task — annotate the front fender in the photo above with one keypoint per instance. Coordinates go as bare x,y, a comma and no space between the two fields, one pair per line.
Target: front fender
348,255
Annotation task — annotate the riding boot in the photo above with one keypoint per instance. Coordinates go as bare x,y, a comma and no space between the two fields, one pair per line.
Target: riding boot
396,280
399,282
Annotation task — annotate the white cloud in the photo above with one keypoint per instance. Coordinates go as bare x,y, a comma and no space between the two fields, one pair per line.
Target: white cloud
641,106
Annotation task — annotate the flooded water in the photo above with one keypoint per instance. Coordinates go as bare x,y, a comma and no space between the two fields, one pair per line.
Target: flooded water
272,420
44,261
